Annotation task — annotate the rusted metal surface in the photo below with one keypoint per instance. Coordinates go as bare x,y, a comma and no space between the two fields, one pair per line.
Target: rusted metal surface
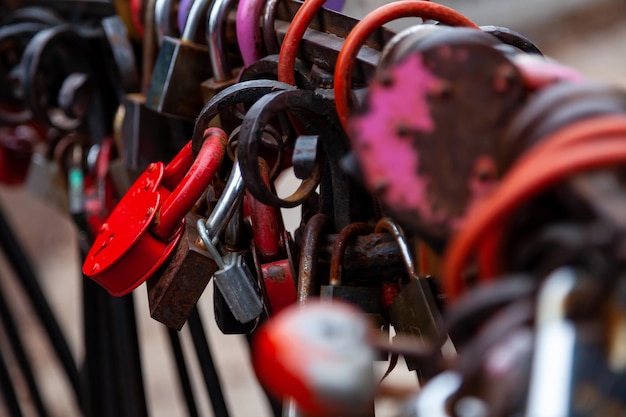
174,291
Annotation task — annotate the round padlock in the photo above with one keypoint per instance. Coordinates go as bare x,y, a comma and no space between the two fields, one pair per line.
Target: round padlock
319,355
146,225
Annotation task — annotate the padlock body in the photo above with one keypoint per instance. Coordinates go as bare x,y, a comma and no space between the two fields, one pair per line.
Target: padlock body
411,314
278,285
174,291
180,69
125,253
145,134
237,285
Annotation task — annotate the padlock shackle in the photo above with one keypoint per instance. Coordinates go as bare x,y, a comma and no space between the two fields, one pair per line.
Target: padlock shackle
386,224
195,182
311,242
266,227
197,13
176,170
216,38
347,234
249,36
368,25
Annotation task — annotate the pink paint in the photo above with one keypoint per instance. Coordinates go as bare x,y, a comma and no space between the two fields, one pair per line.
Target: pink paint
390,163
249,35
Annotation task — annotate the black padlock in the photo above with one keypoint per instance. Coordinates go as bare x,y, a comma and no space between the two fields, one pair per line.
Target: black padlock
368,299
414,311
181,66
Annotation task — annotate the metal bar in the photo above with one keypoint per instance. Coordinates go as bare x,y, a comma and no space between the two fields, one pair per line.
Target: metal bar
129,374
183,375
29,282
209,372
18,348
100,383
7,390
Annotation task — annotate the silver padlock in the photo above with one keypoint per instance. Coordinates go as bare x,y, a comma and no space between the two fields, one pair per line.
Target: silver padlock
237,285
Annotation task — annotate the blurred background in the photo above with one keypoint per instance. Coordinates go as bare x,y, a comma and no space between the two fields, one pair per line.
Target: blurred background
586,35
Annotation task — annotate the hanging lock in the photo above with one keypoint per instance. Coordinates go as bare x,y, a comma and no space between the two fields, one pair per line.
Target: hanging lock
16,149
180,68
272,251
147,224
145,135
368,299
174,291
236,283
413,311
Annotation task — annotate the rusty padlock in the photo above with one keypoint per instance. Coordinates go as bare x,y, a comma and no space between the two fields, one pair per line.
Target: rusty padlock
175,290
147,224
180,68
368,299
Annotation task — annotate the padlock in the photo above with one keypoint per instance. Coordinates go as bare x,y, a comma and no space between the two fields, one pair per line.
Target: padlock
236,283
147,224
223,74
414,310
144,133
368,299
271,249
175,290
234,240
180,68
319,355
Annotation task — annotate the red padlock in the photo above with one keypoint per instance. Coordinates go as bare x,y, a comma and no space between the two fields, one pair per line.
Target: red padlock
320,355
271,250
146,225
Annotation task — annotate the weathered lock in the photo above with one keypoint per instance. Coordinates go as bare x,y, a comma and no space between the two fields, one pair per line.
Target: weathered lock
180,68
368,299
236,283
147,224
414,310
223,74
145,134
175,290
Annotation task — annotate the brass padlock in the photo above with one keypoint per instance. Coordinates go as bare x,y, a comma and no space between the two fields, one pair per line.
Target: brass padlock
181,66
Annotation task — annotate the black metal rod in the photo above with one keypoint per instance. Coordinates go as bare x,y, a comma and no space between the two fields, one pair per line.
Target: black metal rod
7,390
19,352
128,358
100,383
209,372
28,280
183,374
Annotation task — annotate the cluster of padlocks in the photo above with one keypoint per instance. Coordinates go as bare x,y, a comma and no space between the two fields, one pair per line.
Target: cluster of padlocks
454,185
